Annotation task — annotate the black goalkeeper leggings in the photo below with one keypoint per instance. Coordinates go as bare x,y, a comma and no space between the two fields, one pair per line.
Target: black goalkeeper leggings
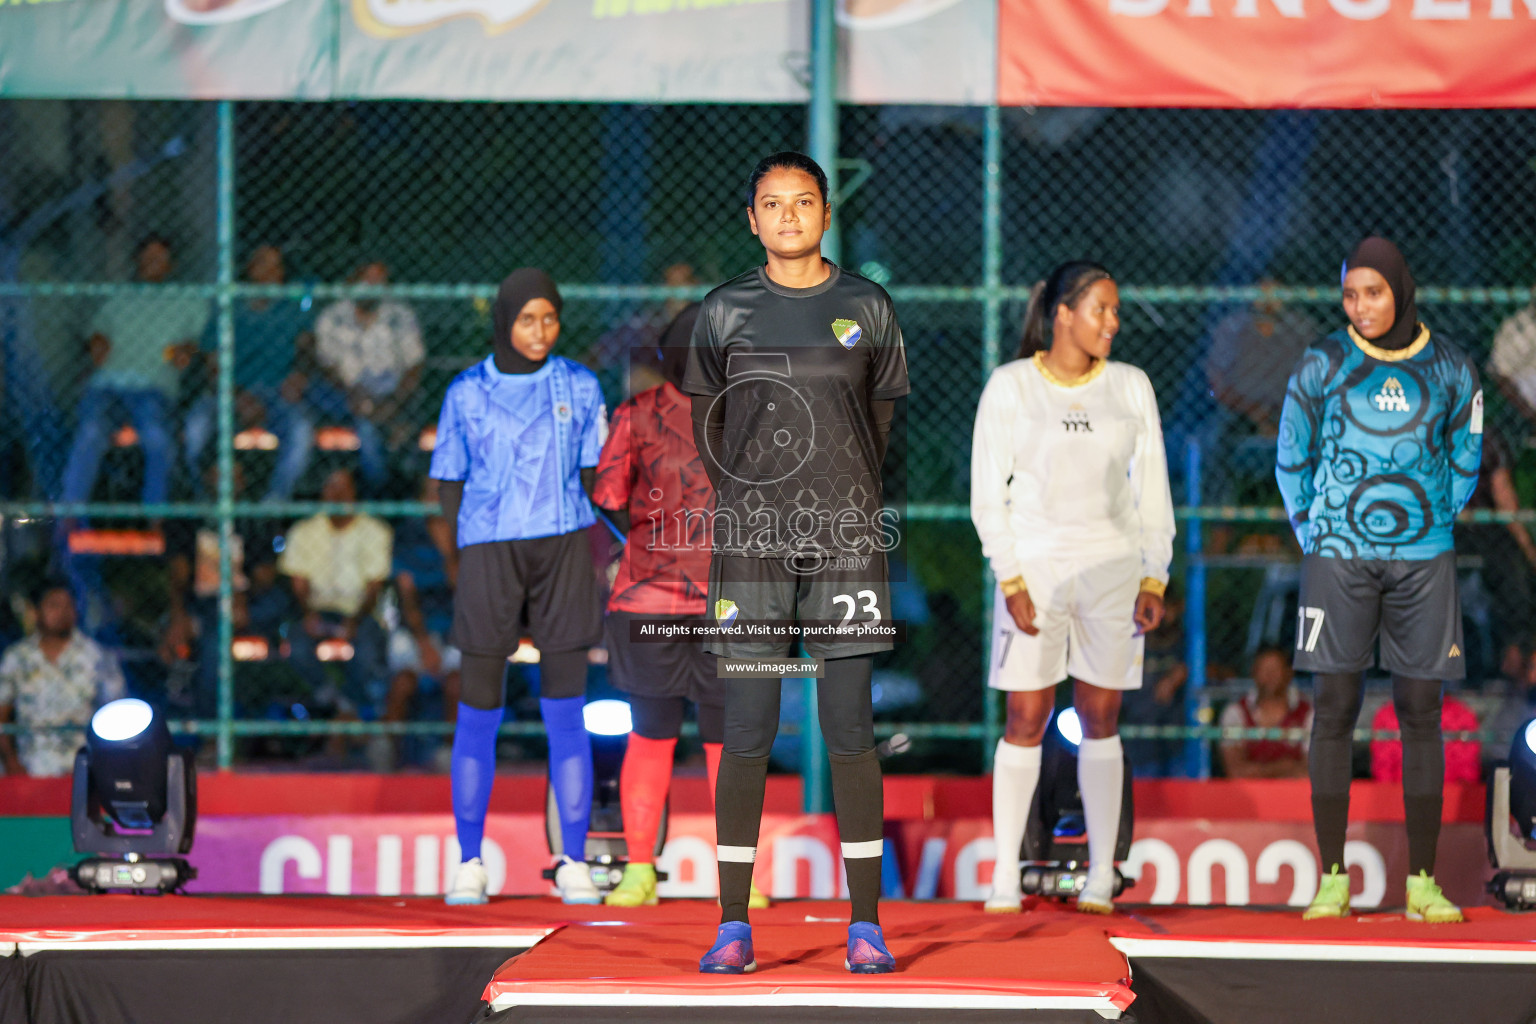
1336,709
843,700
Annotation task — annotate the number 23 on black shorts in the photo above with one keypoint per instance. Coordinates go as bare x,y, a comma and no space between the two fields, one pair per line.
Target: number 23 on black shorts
847,590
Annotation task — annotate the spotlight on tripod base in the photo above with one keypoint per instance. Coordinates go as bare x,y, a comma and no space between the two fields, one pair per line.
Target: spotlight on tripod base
1054,853
133,802
1510,824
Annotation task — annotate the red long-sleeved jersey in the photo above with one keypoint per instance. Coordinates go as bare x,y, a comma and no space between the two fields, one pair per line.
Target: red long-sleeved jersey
651,466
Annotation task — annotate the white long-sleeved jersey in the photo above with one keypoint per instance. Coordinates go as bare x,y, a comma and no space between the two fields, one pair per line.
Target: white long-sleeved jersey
1073,469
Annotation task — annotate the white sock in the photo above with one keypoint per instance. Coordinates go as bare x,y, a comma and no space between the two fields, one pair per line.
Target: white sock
1015,773
1101,780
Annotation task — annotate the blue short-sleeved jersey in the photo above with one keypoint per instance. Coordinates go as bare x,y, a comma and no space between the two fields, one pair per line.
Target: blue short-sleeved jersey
1379,449
519,443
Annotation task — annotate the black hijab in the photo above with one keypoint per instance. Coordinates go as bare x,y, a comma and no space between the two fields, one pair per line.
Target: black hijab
521,287
674,344
1382,256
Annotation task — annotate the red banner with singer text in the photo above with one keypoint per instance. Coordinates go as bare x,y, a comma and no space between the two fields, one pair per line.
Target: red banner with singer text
1267,53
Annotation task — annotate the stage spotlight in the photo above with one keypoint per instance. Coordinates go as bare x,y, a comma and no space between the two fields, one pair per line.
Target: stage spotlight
607,718
1510,824
608,722
1069,726
1055,848
133,801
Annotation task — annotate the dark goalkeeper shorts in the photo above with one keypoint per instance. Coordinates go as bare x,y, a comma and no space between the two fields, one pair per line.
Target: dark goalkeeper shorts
1414,608
672,668
744,590
544,587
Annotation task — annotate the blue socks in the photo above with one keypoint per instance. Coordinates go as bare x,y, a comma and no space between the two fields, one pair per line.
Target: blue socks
570,770
472,770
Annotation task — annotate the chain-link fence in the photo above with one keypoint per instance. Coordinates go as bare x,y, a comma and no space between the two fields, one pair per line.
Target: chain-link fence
341,256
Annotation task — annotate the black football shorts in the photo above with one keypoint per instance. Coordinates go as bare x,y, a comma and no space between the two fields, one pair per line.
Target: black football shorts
671,668
544,587
1414,608
840,591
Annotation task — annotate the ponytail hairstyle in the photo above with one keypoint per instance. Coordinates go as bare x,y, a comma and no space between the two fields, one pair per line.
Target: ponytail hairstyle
1064,287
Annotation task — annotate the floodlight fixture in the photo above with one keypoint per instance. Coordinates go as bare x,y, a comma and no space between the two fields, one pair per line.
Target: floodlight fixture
133,802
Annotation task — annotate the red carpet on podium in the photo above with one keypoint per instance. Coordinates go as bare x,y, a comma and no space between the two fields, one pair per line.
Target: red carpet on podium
951,957
197,959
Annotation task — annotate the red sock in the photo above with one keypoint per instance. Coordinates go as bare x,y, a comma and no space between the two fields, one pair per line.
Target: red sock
643,784
712,767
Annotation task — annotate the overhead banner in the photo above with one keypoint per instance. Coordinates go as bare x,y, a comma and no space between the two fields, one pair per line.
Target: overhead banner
749,51
1267,53
147,49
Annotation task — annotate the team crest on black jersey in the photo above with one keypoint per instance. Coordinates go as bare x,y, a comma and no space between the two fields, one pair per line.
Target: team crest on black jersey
1392,397
847,332
1076,420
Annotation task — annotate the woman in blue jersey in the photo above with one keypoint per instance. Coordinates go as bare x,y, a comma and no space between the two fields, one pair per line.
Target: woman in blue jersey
517,448
1380,441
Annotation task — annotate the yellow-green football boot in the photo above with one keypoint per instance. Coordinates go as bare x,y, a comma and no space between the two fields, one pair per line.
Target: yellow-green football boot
1332,899
757,899
1427,903
636,889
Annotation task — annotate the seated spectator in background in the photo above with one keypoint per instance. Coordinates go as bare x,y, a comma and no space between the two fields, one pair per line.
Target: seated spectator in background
1252,353
1463,758
1507,552
261,603
337,566
1512,361
1160,701
1273,703
369,353
139,344
269,384
56,676
420,660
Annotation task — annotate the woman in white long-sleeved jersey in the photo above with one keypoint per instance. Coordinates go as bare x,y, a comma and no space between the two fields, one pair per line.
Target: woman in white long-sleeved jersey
1069,493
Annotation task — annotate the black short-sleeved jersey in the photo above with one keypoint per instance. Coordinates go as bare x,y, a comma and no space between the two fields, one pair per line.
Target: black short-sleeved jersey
796,370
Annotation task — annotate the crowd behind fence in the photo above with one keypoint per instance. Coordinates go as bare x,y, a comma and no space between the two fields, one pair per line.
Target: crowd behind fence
221,320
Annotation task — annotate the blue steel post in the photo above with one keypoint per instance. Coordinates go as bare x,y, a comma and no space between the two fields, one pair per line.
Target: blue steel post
226,384
823,146
1197,752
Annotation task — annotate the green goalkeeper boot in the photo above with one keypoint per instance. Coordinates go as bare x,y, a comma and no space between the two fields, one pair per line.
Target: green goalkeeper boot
1427,903
1332,899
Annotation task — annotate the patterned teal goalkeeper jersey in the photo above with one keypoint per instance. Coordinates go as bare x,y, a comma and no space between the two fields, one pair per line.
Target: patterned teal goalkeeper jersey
1379,449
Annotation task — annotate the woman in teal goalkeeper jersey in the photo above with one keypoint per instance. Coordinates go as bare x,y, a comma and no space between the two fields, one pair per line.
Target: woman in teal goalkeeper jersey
1380,442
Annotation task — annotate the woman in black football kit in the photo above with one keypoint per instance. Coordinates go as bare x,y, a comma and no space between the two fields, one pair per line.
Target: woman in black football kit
794,369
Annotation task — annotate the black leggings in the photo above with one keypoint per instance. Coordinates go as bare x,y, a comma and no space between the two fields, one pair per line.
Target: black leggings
847,721
844,704
661,718
481,678
1337,707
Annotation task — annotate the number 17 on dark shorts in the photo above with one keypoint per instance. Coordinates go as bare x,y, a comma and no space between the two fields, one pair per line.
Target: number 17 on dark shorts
841,590
1414,608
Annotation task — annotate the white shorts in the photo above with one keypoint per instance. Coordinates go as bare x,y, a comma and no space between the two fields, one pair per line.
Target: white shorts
1085,613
